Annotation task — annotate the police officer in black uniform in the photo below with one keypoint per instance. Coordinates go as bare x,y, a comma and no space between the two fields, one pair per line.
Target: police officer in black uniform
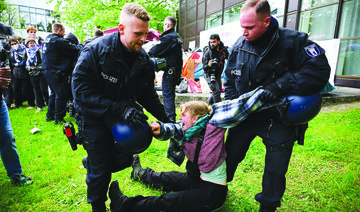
284,62
170,48
112,78
58,61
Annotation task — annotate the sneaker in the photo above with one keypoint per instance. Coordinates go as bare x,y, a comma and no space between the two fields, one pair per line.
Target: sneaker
137,172
59,121
21,180
117,198
14,106
30,107
49,118
84,161
39,110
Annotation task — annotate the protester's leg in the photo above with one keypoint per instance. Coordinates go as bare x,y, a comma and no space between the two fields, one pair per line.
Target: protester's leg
28,92
9,94
9,154
35,81
168,91
17,85
279,141
203,196
44,89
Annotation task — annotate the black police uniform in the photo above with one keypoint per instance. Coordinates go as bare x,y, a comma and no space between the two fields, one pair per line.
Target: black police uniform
104,76
58,62
298,66
170,48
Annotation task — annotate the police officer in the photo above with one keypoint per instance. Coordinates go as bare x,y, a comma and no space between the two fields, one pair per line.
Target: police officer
214,61
170,48
284,62
58,61
112,78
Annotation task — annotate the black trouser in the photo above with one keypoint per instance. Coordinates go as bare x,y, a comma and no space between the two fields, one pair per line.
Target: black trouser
187,194
279,140
40,86
23,86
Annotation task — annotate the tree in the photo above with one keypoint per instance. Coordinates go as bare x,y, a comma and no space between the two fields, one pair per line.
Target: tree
84,16
7,13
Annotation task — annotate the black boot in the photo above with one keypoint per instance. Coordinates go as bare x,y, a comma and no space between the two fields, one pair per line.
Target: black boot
117,197
98,207
137,172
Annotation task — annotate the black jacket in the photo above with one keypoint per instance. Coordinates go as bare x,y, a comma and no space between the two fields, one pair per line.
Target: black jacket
170,48
101,78
221,54
59,54
298,65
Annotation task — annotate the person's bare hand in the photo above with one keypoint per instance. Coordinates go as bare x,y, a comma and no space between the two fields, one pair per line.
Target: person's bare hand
5,72
155,128
4,82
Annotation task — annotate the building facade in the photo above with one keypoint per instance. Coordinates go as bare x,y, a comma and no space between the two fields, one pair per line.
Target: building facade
37,13
332,23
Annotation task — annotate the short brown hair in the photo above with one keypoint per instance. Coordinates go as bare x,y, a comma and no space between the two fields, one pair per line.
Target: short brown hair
30,28
136,10
262,7
172,20
196,108
29,40
56,27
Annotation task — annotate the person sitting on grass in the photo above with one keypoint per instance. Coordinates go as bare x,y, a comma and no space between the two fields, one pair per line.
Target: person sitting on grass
202,187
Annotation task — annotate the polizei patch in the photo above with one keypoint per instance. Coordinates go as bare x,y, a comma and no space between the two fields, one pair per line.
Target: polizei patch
312,50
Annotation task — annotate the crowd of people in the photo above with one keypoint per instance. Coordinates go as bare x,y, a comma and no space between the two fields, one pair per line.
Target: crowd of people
111,80
41,70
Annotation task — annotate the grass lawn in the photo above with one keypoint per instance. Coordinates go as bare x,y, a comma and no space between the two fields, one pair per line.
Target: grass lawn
324,174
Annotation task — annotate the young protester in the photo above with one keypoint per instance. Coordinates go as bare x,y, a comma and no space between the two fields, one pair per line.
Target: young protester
202,187
38,81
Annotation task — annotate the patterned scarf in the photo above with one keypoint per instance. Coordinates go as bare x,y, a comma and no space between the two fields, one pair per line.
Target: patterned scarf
31,57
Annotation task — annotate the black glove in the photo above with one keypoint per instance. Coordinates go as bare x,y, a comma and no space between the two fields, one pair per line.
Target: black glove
134,117
271,93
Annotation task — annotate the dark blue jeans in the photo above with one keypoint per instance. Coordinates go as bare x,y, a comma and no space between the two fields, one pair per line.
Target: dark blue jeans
169,82
58,97
9,154
274,133
188,194
40,86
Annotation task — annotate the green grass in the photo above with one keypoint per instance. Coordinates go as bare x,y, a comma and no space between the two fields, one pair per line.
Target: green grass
324,174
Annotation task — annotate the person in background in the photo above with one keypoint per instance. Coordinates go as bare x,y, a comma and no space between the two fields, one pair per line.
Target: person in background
213,63
170,48
9,154
31,31
58,62
112,81
38,81
283,62
20,76
202,187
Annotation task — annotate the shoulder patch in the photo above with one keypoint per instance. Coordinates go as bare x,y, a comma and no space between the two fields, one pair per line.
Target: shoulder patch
312,50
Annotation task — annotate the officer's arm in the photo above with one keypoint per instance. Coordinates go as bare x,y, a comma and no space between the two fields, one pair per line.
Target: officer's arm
312,71
67,48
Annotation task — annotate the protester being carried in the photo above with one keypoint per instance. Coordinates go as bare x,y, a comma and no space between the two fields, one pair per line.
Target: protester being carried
202,187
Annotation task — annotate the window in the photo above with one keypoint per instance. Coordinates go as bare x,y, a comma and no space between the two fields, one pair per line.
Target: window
318,19
213,20
232,14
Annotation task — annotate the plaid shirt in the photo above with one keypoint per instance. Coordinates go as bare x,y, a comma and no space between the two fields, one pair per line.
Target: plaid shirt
229,113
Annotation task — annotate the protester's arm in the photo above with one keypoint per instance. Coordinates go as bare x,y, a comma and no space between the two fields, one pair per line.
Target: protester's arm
165,131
